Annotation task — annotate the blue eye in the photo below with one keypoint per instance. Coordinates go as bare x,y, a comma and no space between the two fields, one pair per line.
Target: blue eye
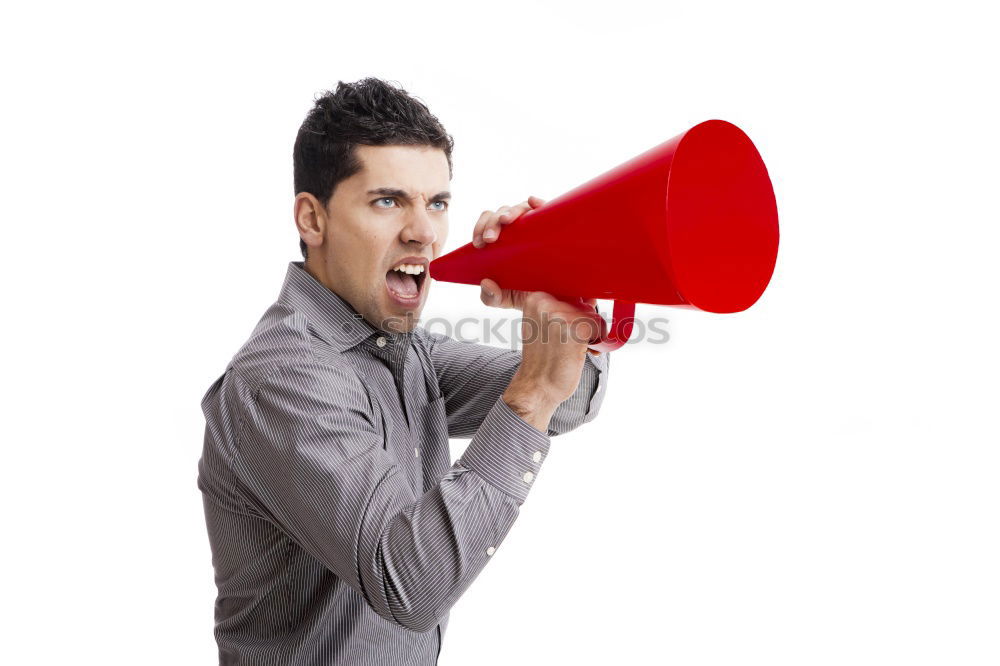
444,205
384,199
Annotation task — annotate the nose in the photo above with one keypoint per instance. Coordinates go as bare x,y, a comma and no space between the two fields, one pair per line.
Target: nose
419,229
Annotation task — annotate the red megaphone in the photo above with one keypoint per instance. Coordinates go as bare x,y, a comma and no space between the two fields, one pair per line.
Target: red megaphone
692,222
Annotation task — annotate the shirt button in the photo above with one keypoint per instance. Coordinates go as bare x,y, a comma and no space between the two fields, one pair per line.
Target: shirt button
380,341
528,476
416,453
491,550
537,456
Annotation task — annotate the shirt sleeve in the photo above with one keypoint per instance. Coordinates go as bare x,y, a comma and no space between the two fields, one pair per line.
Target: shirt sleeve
473,376
311,457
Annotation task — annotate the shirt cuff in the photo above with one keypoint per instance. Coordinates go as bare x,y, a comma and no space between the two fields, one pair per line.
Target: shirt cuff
506,451
599,360
600,363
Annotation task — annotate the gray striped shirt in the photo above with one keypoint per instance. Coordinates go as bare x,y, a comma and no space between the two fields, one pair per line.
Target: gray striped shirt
340,531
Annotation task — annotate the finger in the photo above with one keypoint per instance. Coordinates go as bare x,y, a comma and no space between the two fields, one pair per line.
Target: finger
491,230
477,232
490,292
580,313
583,328
585,304
514,212
488,227
579,304
602,325
507,214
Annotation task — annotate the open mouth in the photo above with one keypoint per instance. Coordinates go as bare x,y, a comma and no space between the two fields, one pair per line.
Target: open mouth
405,280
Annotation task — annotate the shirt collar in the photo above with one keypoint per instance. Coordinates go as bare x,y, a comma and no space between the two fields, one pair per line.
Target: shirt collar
332,318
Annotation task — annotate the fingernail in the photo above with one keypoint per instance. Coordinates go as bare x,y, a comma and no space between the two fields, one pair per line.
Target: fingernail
489,294
489,233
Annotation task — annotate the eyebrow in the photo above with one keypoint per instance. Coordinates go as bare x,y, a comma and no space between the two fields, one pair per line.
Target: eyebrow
403,194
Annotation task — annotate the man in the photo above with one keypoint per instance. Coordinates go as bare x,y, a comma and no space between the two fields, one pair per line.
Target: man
340,531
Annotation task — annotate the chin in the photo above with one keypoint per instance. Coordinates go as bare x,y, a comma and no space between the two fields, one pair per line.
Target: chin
398,319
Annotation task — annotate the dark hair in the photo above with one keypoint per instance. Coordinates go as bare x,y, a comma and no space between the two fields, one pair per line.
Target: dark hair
369,112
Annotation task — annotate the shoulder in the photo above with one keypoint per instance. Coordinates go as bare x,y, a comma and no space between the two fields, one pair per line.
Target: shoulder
284,351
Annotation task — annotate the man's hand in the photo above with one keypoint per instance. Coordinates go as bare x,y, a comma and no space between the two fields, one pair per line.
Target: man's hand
554,338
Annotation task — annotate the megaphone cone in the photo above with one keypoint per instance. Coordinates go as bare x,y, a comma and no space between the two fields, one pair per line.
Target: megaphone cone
692,222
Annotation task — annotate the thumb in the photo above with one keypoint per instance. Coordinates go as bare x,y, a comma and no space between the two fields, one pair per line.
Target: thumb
492,294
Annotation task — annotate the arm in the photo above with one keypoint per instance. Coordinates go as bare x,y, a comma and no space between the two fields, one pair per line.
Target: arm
473,376
311,457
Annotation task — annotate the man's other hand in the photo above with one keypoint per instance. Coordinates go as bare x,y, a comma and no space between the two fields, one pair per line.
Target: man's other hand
491,221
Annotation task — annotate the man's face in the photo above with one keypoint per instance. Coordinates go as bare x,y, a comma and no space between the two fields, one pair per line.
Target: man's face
391,214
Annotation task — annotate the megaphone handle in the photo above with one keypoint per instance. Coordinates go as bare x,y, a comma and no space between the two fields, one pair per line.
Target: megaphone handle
622,318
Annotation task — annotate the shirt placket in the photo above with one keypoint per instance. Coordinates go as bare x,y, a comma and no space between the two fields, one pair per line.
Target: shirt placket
393,351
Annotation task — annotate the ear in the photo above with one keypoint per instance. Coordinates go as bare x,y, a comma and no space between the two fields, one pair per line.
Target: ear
310,218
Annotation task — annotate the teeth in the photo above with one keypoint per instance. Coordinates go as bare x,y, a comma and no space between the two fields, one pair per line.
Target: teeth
412,269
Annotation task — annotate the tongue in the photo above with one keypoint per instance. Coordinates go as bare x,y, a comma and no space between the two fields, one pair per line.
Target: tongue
403,284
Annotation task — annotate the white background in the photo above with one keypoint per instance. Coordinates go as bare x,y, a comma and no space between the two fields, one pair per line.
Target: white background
812,481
